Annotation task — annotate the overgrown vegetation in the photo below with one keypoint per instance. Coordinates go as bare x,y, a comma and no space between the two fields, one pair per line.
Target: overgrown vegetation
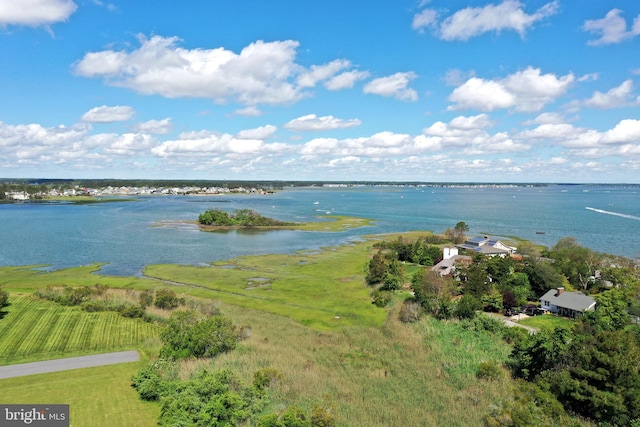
98,297
591,369
240,218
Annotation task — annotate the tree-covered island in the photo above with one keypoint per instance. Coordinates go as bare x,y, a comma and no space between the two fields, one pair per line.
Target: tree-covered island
218,219
243,218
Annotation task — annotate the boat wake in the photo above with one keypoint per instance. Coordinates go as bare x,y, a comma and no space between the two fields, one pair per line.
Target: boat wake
637,218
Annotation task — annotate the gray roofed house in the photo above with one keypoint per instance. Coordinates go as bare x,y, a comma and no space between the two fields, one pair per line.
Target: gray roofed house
487,246
450,258
570,304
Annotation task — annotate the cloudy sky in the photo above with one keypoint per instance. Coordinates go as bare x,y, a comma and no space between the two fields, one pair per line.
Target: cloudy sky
393,90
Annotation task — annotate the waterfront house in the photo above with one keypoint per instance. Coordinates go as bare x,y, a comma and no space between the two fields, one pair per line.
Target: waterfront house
487,246
569,304
450,258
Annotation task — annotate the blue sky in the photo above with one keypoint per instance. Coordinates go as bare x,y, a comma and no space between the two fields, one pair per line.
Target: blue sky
392,90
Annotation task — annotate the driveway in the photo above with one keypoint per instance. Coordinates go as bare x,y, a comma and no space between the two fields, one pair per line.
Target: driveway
56,365
510,321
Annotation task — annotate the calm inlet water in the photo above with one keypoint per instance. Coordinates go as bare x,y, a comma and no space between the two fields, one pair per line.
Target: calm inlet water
125,236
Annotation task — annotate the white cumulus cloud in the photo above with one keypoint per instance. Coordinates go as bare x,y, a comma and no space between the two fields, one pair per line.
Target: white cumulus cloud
474,21
526,90
105,114
345,80
262,73
395,85
262,132
154,127
311,122
35,12
618,96
611,29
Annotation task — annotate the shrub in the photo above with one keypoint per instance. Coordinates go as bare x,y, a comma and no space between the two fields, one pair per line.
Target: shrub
322,417
146,298
489,370
410,311
186,335
132,310
382,298
166,299
265,378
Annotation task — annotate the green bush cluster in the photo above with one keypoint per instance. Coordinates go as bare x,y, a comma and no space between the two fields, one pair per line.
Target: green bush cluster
189,335
294,416
208,398
91,299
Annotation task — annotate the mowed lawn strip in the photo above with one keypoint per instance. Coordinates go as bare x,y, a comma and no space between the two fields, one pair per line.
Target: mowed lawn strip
34,330
97,397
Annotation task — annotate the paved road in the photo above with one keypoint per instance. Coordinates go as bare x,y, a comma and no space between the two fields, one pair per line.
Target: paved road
23,369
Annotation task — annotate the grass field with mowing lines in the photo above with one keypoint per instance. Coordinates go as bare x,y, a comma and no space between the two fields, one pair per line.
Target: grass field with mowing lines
34,330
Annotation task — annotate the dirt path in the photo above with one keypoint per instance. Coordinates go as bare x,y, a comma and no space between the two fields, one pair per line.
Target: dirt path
56,365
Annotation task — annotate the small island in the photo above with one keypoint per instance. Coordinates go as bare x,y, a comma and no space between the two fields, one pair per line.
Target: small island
243,218
219,220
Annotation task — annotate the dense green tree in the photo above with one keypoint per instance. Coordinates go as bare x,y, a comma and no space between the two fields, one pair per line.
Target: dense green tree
492,302
394,276
575,262
467,306
545,350
377,267
433,292
543,276
611,311
601,380
459,231
499,268
476,281
518,285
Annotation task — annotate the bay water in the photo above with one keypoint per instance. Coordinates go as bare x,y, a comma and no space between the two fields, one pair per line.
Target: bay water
126,236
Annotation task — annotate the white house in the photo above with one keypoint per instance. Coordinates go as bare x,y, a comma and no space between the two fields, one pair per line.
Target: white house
569,304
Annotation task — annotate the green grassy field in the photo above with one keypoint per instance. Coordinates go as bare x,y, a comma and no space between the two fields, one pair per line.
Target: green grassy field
33,329
322,289
97,397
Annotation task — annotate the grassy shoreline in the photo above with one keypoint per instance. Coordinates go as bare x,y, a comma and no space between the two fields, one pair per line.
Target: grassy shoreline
312,319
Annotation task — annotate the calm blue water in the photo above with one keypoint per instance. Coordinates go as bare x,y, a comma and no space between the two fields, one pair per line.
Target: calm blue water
123,235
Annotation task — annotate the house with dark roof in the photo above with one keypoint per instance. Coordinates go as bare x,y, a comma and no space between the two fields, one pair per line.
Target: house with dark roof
487,246
569,304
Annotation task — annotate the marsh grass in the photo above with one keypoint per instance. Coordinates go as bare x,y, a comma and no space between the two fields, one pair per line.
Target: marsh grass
396,374
324,290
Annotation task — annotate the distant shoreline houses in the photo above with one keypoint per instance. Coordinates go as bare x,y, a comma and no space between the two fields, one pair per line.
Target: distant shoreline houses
129,191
